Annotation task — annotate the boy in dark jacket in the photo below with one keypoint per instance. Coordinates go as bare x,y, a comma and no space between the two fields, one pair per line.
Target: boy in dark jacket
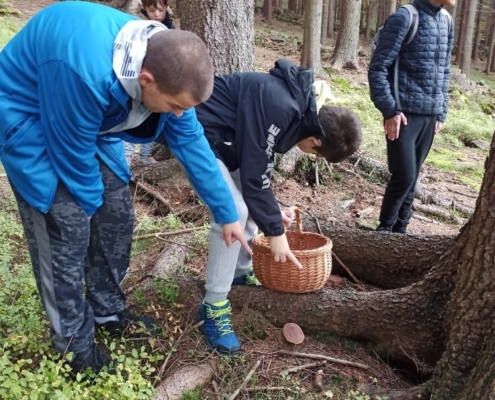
419,112
249,118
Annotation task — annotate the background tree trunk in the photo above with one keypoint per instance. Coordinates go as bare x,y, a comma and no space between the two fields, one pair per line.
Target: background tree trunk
467,44
392,7
324,21
311,52
268,11
476,42
292,6
331,19
490,37
217,22
369,13
462,7
346,48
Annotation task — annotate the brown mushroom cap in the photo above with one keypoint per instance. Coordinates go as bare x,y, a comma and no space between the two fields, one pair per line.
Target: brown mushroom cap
293,333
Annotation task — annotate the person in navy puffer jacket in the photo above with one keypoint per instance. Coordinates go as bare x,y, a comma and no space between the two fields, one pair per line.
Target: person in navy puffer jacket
423,81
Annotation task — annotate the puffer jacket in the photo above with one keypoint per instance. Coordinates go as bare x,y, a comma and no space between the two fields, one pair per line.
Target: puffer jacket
424,64
58,93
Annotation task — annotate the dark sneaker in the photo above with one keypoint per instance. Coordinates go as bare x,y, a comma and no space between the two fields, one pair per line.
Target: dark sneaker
147,161
217,327
382,228
399,227
132,325
248,279
95,359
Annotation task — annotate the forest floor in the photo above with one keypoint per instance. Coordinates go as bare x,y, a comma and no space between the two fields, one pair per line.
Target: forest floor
347,195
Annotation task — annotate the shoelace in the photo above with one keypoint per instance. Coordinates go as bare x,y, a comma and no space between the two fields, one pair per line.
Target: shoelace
221,319
251,279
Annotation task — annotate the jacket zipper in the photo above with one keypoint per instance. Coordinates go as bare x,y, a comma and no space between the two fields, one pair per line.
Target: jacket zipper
436,64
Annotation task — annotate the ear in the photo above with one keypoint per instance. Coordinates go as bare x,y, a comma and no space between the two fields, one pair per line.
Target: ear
146,78
314,141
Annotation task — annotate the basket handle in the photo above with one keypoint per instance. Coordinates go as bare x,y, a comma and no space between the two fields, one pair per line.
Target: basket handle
298,220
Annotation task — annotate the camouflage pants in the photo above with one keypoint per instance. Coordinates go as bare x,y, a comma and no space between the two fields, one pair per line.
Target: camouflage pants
79,264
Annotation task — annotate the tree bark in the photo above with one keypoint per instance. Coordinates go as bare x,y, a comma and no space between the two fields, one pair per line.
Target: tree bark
462,7
477,33
346,48
392,7
268,11
324,21
369,13
331,19
292,6
218,23
489,42
311,52
467,44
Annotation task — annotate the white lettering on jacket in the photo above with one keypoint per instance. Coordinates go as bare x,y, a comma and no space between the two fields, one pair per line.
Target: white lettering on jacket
273,131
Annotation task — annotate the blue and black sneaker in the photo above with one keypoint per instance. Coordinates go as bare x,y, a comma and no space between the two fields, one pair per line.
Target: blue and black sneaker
217,327
248,279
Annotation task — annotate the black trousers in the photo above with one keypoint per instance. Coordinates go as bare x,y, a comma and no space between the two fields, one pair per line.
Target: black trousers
405,157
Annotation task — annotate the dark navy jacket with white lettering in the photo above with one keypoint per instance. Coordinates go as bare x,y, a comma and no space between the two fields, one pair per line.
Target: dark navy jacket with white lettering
250,117
424,64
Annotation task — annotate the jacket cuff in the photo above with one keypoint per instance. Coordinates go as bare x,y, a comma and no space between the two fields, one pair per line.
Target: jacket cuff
276,232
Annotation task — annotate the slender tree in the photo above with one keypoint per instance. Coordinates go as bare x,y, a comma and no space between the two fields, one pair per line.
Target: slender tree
217,22
268,11
369,13
331,19
392,7
477,32
324,21
346,48
311,52
489,43
467,44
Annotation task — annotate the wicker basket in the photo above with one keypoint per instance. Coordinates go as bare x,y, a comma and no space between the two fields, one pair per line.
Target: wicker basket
313,251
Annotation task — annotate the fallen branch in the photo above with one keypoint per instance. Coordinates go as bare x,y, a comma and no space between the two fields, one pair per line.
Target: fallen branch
157,234
131,288
437,212
186,331
270,389
320,357
357,281
304,366
155,194
176,243
246,379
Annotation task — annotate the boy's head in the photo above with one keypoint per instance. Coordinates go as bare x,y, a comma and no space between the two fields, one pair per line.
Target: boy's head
341,135
155,9
177,72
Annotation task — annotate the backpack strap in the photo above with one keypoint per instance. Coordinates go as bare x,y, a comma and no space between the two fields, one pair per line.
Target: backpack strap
412,28
448,19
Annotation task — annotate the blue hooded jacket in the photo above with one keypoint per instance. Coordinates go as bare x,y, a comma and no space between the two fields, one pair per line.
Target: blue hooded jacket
424,64
58,91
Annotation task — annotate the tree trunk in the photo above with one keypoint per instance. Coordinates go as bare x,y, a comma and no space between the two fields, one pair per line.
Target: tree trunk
369,13
346,48
489,43
467,45
324,21
311,52
292,6
477,33
463,7
331,19
217,22
392,7
268,11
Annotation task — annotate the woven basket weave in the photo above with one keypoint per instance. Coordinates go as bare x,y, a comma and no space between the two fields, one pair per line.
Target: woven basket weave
313,251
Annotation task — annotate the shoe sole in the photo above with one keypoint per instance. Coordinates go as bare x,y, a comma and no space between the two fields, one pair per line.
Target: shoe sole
213,349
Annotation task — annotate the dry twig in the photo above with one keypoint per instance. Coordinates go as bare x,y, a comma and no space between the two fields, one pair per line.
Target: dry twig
246,379
186,331
318,380
321,357
138,282
304,366
157,234
270,389
155,194
357,281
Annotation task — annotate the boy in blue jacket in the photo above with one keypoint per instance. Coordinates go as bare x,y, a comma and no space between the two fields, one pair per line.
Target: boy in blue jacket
249,118
83,86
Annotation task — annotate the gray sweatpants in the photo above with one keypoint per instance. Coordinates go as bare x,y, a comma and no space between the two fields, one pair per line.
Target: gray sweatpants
224,264
70,254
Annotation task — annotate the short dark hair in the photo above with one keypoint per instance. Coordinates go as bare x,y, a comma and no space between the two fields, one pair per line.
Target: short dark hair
341,133
180,62
154,3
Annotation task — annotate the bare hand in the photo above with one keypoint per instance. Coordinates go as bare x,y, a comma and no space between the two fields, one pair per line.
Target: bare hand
288,216
392,126
438,127
281,251
233,232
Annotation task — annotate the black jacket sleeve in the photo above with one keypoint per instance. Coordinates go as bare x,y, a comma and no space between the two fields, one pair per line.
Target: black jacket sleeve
261,121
